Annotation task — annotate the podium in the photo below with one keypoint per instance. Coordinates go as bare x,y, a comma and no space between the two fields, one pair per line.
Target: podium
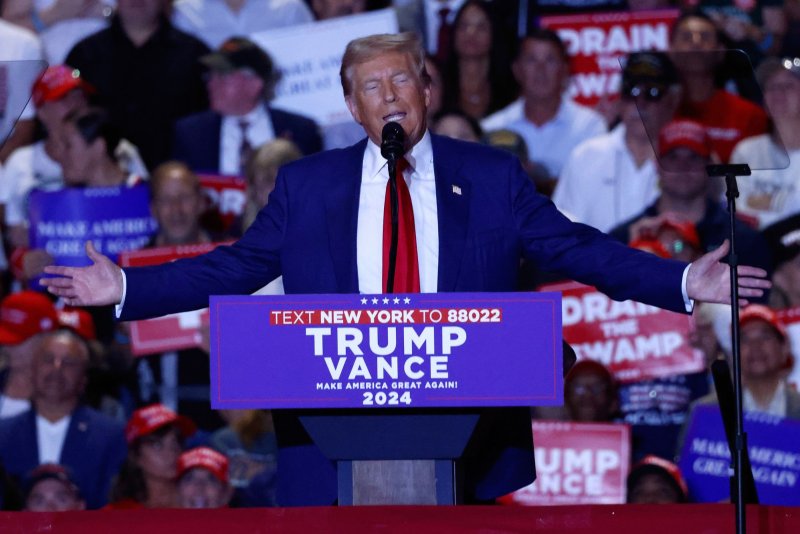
405,393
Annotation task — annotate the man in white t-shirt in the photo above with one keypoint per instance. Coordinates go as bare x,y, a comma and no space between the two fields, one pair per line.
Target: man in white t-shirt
612,177
214,21
59,428
549,121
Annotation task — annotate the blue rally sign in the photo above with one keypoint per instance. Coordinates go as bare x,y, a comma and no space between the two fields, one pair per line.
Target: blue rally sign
774,447
399,350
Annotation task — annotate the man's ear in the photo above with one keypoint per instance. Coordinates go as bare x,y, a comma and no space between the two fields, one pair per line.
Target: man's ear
353,109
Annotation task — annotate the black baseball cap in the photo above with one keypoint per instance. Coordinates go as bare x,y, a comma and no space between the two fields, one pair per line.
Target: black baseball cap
240,53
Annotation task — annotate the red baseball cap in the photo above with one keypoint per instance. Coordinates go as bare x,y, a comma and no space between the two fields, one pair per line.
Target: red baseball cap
686,229
652,463
684,134
57,81
25,314
759,312
78,320
147,420
205,458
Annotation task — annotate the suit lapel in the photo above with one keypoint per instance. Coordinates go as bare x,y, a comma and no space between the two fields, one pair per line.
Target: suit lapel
452,204
74,450
341,215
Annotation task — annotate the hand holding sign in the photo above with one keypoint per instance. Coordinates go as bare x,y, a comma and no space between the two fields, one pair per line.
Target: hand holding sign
99,284
709,279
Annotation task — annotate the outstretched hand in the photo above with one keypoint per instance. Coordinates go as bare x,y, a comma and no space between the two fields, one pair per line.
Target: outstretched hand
709,279
99,284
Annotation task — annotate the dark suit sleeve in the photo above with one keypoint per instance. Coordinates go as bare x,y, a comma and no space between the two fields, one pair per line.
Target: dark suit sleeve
584,254
239,269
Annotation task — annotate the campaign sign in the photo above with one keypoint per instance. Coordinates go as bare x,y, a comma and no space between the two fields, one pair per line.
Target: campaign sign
633,340
577,463
170,332
595,42
774,447
309,57
115,219
226,199
396,350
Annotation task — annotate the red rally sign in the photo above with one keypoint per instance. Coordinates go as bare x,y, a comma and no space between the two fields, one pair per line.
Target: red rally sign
226,198
633,340
171,332
577,463
595,42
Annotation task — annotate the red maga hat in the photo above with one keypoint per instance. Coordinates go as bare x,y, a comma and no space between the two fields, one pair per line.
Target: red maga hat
204,458
147,420
57,81
25,314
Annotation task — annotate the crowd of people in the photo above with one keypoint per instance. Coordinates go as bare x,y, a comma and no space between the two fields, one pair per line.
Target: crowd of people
154,93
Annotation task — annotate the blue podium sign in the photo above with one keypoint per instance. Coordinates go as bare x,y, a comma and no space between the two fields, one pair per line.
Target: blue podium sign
399,350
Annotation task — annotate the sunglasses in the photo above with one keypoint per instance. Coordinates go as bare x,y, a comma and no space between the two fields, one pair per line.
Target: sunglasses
651,93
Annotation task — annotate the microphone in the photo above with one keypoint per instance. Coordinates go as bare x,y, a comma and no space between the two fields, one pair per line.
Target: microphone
392,148
393,141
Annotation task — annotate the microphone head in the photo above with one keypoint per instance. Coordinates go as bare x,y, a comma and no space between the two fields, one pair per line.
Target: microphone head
392,141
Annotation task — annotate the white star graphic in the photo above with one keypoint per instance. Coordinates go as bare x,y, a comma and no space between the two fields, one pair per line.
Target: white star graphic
385,300
396,300
363,301
407,300
374,300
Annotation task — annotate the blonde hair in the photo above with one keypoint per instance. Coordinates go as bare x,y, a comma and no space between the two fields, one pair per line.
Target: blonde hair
368,48
270,156
265,163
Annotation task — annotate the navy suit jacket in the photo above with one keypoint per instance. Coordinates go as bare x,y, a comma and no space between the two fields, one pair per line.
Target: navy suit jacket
94,450
489,216
197,137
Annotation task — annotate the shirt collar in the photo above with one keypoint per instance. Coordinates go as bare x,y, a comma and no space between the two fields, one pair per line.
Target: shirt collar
420,158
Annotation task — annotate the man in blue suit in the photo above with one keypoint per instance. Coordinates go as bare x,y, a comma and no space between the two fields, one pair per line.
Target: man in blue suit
241,83
59,429
475,214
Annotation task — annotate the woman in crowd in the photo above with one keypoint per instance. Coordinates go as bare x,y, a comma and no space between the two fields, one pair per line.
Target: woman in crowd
155,436
478,76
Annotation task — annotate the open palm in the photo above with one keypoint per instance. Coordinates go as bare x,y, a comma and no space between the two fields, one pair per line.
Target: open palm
98,284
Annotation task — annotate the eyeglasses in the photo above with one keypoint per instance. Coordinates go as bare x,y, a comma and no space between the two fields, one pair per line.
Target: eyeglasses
651,93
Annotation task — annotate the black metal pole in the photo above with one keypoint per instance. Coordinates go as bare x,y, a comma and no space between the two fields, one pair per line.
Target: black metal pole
740,449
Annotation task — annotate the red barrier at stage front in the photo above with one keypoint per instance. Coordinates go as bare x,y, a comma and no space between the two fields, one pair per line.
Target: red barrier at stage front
622,519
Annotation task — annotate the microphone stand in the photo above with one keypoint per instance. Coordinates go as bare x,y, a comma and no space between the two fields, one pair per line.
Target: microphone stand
739,454
394,210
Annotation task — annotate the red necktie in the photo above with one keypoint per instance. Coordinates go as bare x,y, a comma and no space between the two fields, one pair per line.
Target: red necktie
406,274
444,36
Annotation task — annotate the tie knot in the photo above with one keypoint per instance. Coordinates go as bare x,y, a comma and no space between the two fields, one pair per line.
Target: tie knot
443,13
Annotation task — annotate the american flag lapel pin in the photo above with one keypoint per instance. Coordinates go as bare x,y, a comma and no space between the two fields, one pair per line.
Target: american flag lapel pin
456,190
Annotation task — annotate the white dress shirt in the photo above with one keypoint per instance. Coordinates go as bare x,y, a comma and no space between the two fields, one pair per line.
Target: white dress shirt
259,131
369,240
